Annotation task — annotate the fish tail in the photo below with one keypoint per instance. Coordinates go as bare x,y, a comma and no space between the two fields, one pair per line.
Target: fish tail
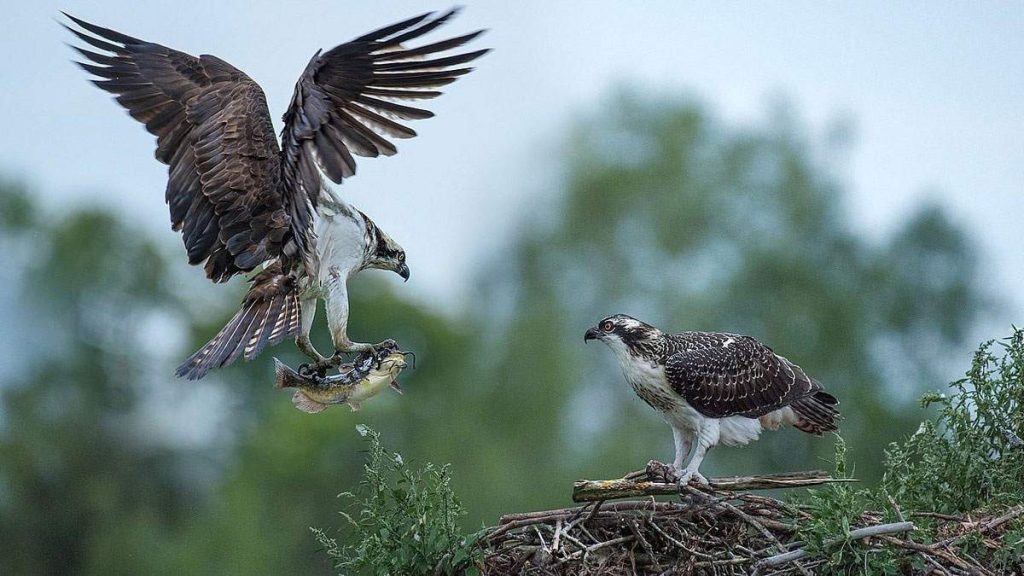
285,377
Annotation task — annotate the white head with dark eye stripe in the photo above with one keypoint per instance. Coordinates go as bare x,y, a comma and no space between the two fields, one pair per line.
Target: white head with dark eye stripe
625,335
382,252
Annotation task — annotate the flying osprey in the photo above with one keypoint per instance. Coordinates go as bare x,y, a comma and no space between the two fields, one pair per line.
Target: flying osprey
245,204
714,388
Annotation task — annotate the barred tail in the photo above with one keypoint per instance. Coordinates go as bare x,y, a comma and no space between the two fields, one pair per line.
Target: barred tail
816,414
269,314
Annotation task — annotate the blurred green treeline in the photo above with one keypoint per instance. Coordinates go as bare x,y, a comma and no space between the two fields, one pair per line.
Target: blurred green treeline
110,465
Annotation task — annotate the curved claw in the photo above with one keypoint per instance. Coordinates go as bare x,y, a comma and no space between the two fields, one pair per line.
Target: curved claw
688,475
320,368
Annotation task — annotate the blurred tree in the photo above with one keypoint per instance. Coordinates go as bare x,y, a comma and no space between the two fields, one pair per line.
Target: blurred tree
72,468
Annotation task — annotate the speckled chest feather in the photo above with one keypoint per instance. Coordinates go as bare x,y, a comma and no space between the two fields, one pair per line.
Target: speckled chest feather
647,378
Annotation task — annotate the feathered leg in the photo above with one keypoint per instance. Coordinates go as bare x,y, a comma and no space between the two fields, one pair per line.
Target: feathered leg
337,318
683,443
707,437
302,342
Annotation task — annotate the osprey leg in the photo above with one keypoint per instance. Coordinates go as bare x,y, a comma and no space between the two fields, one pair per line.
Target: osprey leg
683,443
302,342
707,437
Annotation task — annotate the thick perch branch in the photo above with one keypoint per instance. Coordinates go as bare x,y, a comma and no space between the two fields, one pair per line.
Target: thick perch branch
635,484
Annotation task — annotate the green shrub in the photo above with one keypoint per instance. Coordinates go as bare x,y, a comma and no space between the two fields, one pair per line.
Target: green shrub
965,461
407,524
968,458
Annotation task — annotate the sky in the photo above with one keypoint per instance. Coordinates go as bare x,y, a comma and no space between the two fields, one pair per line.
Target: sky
934,93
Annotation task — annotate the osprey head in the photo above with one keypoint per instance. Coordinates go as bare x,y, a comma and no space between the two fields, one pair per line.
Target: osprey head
622,332
384,253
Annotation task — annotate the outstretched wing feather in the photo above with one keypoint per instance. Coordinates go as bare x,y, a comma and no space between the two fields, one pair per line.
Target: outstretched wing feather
343,105
214,132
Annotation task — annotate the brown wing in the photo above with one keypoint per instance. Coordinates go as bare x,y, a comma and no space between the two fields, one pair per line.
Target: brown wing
214,132
348,100
269,314
725,375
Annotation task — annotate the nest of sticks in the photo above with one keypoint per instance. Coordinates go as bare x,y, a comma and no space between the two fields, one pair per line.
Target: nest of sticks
721,529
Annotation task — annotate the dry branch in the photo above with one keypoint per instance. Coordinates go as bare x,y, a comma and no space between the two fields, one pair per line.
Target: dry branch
858,534
633,486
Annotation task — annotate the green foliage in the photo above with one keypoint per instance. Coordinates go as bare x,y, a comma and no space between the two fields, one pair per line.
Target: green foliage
834,511
407,523
963,461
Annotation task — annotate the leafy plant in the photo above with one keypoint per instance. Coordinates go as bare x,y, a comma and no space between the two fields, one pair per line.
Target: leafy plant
968,458
408,520
968,461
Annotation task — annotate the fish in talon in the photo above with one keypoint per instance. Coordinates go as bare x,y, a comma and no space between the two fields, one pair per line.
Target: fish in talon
354,384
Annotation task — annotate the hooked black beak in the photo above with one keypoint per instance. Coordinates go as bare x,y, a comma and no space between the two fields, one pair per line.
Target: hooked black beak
591,334
404,272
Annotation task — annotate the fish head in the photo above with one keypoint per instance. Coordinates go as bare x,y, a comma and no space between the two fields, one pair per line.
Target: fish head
379,378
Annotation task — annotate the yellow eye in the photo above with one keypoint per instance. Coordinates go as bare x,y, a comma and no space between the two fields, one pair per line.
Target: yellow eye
607,326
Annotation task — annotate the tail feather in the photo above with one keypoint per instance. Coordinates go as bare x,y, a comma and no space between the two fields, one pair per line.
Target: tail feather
817,413
269,314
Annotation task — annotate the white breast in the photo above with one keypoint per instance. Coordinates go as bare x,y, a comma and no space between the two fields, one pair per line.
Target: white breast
649,382
340,242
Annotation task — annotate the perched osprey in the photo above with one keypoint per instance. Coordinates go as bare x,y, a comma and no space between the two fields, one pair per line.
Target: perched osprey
245,204
714,388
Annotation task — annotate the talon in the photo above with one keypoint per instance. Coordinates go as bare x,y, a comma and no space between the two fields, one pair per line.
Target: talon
688,476
320,367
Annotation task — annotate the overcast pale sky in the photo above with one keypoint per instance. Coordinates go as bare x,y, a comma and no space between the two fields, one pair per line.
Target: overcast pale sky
935,93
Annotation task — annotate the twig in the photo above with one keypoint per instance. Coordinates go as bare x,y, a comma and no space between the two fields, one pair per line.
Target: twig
1013,439
586,551
678,543
945,555
938,516
910,538
760,527
1014,512
877,530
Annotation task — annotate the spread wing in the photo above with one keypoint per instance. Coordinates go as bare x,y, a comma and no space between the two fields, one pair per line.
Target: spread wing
725,375
269,314
214,132
351,99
